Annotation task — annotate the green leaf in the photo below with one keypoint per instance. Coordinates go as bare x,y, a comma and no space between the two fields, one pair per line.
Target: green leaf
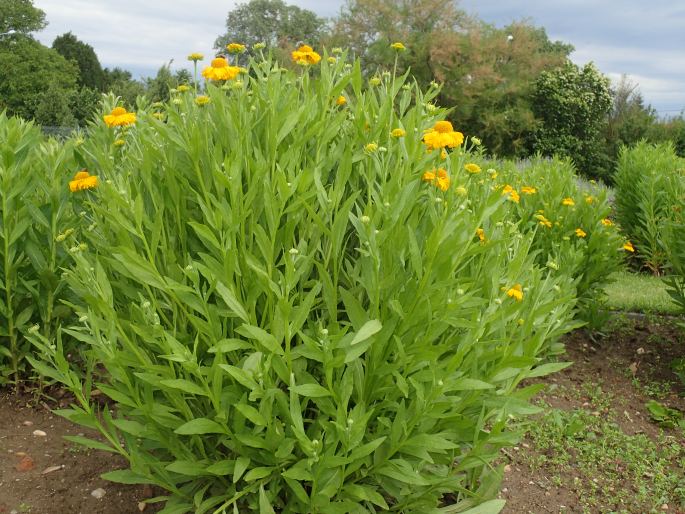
125,476
547,369
232,302
200,426
489,507
222,467
184,385
90,443
262,336
241,464
366,493
257,473
264,503
251,413
311,390
469,384
189,468
368,329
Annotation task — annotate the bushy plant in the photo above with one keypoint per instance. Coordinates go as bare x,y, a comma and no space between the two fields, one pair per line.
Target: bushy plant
290,314
35,220
649,193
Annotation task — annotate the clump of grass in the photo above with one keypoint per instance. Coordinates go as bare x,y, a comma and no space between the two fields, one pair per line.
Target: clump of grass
635,292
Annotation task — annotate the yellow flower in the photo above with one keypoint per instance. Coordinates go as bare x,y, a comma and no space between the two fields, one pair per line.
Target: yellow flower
183,88
439,178
607,222
375,81
196,56
589,199
443,154
527,190
442,135
472,168
83,180
398,46
119,117
336,50
568,201
235,48
493,173
371,147
628,247
513,194
461,191
202,100
516,292
305,55
543,221
220,70
481,234
119,142
580,232
341,100
332,60
398,132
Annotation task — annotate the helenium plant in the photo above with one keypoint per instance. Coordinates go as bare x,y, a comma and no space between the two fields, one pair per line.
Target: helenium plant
287,318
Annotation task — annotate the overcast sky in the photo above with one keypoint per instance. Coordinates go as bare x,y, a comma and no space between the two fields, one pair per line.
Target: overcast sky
645,40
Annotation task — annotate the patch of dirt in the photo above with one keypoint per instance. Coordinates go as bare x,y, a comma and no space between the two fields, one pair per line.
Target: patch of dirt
632,366
45,474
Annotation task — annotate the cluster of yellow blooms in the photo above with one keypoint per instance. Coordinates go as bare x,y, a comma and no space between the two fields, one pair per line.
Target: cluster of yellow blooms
438,177
305,55
221,70
119,117
442,135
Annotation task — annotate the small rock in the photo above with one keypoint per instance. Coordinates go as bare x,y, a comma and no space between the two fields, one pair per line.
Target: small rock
39,433
507,468
98,493
141,506
51,469
525,445
633,368
640,351
664,506
505,490
27,423
25,464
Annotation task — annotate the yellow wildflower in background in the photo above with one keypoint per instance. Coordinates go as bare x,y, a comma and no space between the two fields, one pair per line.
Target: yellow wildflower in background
119,142
516,292
527,190
589,199
568,202
607,222
543,221
196,56
305,55
119,117
83,180
472,168
580,232
259,46
398,46
628,246
220,70
442,135
183,88
398,132
375,81
443,154
461,191
235,48
332,60
371,147
439,178
341,100
481,234
513,194
202,100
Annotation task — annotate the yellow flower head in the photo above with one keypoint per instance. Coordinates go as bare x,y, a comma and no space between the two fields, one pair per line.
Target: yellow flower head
202,100
398,46
398,132
83,180
119,117
589,199
543,221
119,142
442,135
196,56
527,190
439,178
481,234
568,202
513,194
183,88
461,190
341,100
607,222
516,292
472,168
332,60
580,232
220,70
305,55
443,154
235,48
371,147
628,247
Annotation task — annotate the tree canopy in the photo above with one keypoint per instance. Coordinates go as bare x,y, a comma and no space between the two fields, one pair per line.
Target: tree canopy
21,17
90,70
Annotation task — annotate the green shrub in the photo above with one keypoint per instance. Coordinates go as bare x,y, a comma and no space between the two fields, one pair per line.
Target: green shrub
649,191
35,217
287,318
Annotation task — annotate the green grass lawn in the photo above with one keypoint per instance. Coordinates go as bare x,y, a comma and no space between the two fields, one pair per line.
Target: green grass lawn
637,292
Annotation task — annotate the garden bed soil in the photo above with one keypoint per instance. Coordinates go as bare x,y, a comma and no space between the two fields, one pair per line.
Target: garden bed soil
49,475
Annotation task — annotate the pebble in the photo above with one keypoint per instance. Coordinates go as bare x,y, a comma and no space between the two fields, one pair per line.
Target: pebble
98,493
39,433
664,506
28,423
141,506
507,468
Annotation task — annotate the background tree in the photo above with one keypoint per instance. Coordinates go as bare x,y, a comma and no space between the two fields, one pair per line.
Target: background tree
272,22
90,70
122,84
20,17
572,104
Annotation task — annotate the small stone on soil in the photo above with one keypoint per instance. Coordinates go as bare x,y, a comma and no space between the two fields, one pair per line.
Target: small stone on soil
27,423
98,493
39,433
